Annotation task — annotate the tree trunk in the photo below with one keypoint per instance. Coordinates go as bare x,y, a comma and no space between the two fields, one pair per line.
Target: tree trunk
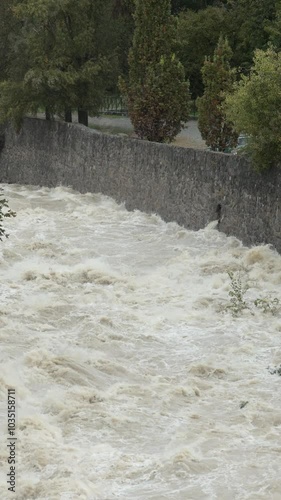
48,114
83,116
68,115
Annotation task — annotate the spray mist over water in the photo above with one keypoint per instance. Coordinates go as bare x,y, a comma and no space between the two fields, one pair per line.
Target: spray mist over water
129,369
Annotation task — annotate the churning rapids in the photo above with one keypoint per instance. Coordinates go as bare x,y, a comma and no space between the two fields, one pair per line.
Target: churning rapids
133,378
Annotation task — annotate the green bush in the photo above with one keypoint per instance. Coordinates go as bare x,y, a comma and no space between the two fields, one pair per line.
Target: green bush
238,302
254,108
5,211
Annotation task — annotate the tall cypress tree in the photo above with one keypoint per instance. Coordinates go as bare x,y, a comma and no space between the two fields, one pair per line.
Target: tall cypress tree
157,93
218,79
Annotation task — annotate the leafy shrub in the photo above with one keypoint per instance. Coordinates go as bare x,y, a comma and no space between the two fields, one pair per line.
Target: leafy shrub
268,304
237,298
236,294
5,211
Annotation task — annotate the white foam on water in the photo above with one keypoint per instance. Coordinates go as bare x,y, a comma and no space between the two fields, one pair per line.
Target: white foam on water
128,366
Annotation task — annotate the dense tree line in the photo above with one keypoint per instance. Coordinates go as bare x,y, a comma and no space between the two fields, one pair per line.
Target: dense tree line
60,54
65,55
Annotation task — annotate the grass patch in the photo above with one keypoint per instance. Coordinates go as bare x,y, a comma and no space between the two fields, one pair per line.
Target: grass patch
111,129
115,116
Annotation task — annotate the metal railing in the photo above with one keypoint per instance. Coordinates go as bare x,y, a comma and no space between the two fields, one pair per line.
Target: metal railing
116,105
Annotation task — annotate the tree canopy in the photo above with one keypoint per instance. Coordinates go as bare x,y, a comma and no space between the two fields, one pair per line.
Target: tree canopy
197,35
157,93
254,108
61,57
246,25
218,79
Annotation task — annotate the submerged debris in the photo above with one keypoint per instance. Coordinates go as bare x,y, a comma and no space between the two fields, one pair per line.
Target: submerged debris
275,370
243,404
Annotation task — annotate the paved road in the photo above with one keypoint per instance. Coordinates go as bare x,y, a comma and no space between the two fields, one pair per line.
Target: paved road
188,137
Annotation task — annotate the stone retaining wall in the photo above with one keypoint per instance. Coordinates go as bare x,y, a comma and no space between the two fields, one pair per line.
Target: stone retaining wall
191,187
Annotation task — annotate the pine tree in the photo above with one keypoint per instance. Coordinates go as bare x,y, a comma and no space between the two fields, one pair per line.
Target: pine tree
218,79
157,93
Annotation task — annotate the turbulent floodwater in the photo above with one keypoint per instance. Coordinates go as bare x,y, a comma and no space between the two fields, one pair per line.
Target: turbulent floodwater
129,368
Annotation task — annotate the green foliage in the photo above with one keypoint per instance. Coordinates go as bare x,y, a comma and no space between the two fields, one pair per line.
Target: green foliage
218,78
244,22
246,28
238,302
66,54
61,57
8,28
196,5
5,212
236,294
198,34
254,108
123,26
268,304
157,93
274,28
275,371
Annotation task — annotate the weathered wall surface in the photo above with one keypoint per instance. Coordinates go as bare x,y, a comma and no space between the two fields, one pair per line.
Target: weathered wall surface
182,185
